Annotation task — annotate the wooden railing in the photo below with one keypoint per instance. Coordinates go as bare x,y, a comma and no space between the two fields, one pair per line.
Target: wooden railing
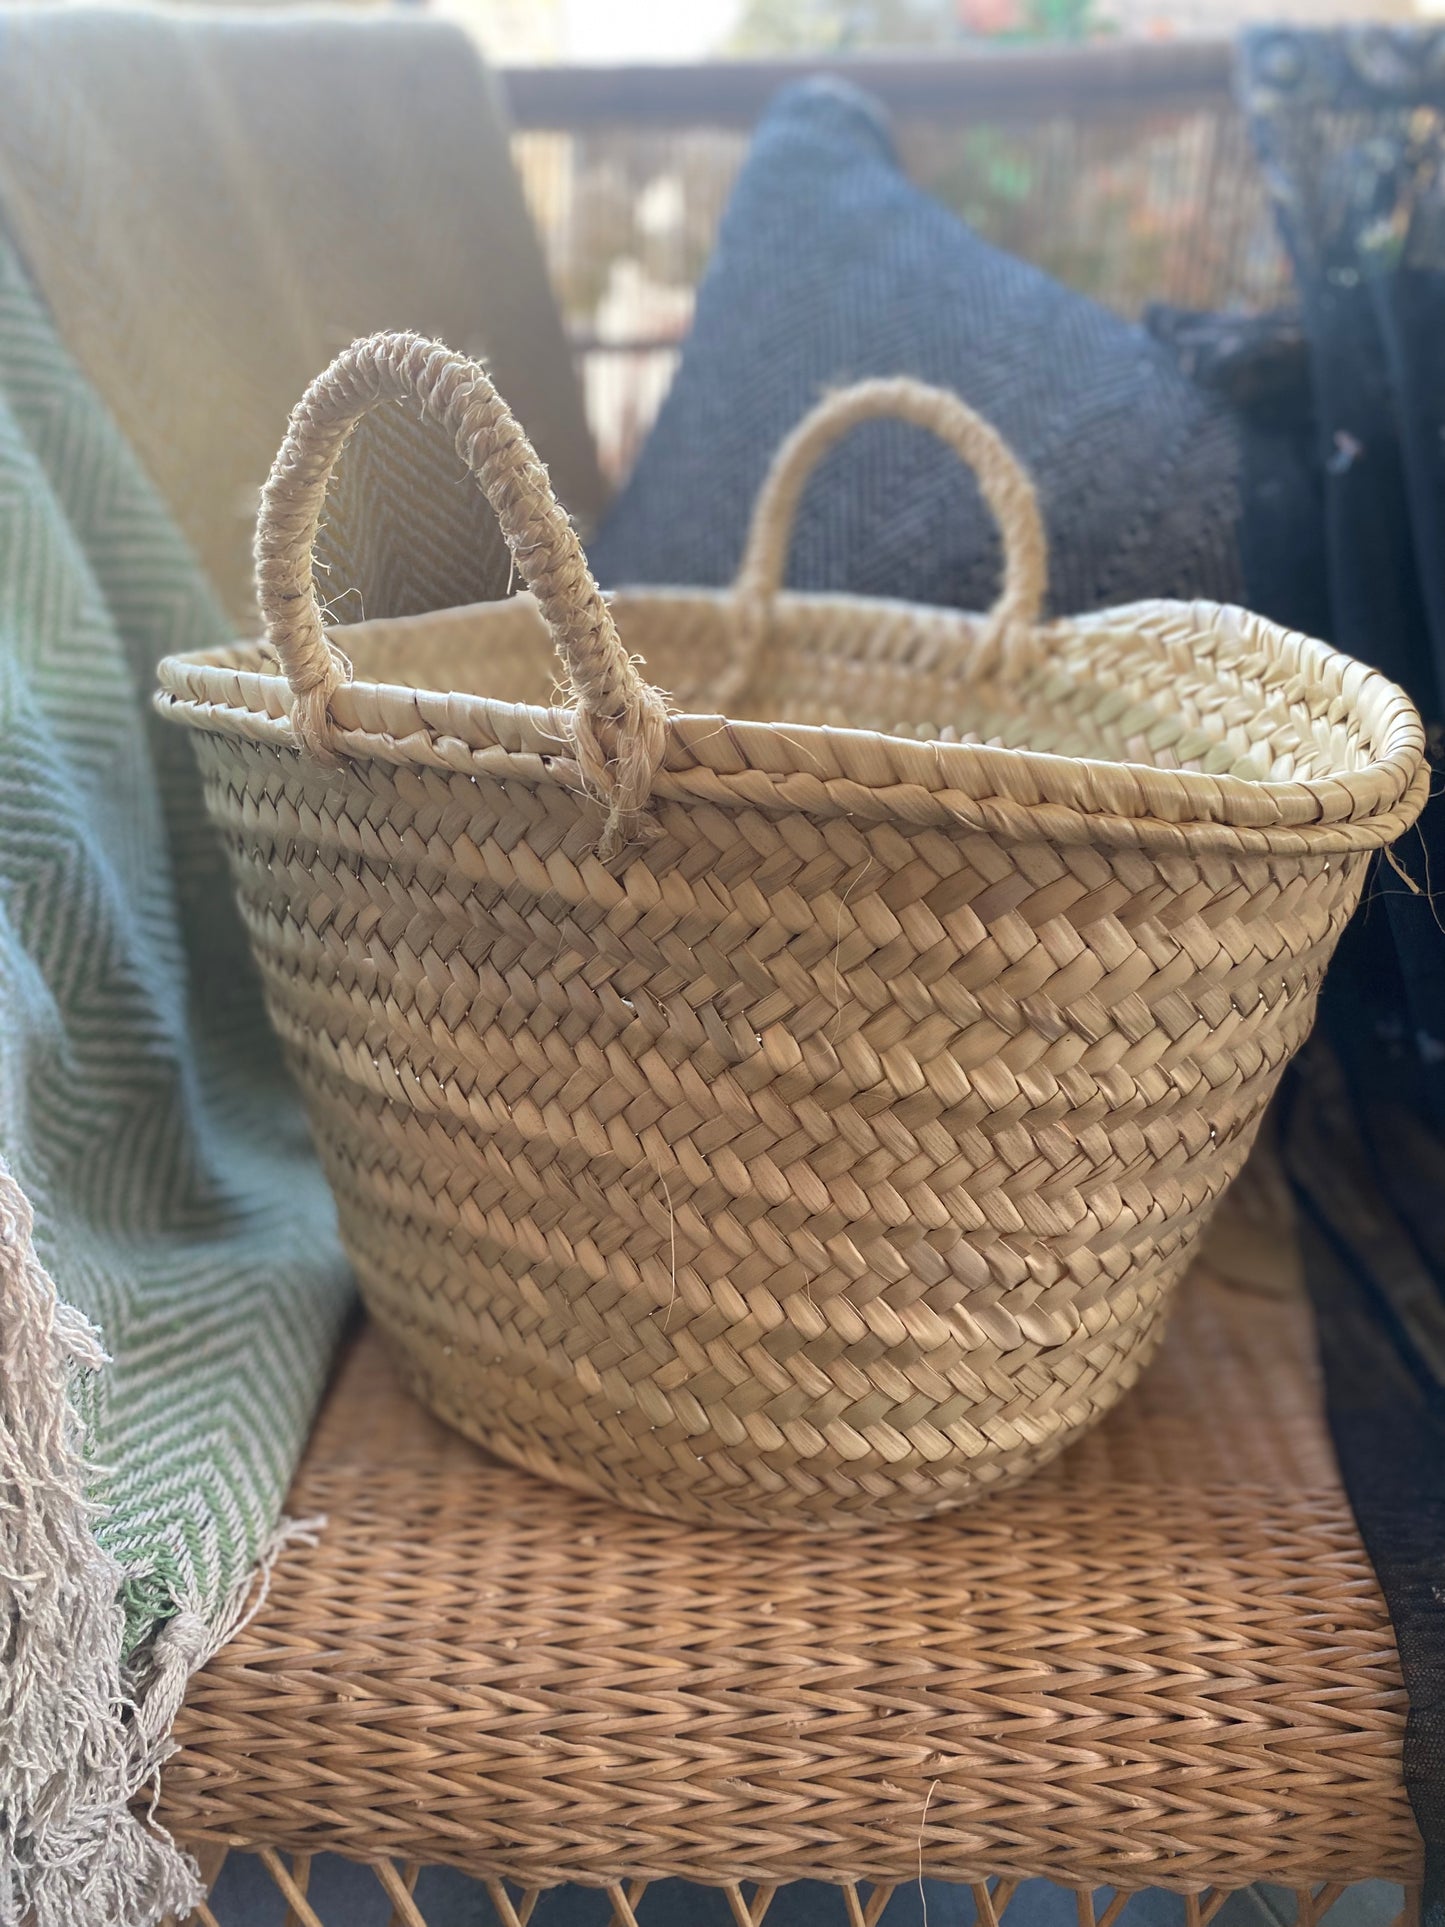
1122,168
1031,84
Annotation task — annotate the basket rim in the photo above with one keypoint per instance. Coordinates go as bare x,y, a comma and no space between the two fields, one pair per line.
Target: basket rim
823,770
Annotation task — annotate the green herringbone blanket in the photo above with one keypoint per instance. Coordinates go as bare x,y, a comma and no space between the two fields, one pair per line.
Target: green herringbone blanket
145,1117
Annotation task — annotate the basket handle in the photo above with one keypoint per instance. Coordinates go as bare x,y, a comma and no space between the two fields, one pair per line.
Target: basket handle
618,720
1002,478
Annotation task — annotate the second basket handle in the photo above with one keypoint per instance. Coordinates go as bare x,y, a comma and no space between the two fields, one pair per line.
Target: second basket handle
1002,478
618,719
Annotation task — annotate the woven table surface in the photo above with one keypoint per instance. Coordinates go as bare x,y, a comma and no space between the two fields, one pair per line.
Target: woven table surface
1164,1661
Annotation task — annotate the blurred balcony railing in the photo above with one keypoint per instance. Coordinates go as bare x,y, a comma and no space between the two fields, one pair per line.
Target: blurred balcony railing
1122,168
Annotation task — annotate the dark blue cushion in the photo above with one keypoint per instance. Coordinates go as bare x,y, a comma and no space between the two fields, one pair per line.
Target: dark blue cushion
831,265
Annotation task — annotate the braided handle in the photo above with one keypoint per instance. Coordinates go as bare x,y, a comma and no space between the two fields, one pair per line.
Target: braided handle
618,720
1004,482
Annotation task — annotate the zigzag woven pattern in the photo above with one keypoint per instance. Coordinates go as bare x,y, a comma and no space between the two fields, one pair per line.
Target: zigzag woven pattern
833,1152
1165,1660
403,531
141,1102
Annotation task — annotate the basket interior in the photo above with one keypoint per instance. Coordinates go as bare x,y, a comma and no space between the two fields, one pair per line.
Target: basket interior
1170,686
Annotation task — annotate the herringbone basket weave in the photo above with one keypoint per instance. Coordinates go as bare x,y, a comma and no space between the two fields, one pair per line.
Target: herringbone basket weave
790,1119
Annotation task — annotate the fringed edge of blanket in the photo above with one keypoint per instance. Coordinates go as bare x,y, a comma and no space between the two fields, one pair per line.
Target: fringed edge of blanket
80,1740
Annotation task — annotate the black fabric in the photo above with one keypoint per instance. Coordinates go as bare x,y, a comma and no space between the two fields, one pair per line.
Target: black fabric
1350,127
1259,366
1370,1178
831,265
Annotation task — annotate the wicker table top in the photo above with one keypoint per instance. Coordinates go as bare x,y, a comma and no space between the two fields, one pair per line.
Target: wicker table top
1164,1662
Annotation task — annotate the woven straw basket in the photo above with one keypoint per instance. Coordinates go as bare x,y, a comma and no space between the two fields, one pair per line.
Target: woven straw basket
790,1119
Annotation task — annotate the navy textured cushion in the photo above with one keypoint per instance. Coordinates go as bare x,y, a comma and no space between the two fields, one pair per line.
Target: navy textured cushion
831,265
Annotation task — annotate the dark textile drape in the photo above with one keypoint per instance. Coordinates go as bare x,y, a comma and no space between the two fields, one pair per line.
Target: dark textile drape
1350,127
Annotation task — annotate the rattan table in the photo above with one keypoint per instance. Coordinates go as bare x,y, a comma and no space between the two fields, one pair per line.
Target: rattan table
1165,1661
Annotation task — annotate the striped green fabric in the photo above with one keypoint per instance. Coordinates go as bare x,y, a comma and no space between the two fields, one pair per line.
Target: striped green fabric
143,1106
